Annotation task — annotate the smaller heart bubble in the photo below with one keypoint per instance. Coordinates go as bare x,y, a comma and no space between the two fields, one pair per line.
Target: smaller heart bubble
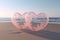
19,20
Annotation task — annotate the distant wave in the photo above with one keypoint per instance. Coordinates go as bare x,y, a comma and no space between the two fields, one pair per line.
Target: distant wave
50,19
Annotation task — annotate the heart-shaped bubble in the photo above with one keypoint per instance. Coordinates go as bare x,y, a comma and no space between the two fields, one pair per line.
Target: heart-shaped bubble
30,20
39,21
19,20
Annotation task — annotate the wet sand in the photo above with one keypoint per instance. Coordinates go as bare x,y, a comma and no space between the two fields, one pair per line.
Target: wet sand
9,32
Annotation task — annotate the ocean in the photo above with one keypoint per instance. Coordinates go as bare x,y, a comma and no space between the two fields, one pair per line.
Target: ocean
51,19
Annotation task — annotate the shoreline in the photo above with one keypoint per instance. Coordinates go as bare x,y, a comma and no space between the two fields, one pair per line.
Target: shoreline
9,32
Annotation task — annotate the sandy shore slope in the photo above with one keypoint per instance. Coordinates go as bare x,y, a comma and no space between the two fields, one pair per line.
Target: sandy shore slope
9,32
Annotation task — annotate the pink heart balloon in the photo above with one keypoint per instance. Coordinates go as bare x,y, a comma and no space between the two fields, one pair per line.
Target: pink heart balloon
16,20
29,22
36,26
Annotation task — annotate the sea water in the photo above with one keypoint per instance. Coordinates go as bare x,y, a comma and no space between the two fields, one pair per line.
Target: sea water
52,19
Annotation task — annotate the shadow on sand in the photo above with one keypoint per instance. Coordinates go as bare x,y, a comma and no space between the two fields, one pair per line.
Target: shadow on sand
14,32
45,34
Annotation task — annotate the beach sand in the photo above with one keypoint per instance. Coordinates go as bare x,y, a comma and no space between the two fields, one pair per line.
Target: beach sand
9,32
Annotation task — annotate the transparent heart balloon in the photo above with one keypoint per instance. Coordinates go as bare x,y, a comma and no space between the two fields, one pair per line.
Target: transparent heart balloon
38,21
32,21
19,20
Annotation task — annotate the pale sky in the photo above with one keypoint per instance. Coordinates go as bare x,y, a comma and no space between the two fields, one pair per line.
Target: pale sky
9,7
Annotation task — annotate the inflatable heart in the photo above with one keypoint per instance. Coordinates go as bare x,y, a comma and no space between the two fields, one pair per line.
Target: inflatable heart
38,21
18,20
30,20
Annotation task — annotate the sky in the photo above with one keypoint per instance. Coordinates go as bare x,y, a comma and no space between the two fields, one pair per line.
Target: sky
9,7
